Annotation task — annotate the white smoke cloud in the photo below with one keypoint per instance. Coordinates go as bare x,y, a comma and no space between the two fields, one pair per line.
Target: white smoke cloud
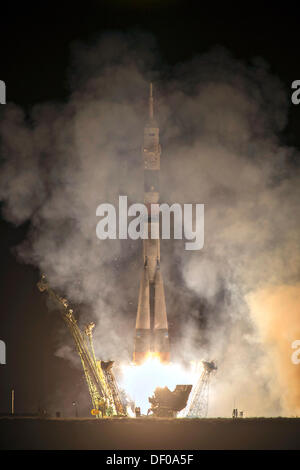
219,120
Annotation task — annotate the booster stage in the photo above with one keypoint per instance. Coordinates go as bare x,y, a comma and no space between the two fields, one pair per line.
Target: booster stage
151,334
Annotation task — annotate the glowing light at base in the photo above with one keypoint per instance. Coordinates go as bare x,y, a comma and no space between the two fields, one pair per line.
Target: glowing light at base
140,381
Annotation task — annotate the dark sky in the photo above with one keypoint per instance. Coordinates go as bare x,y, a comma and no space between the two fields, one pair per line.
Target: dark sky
34,62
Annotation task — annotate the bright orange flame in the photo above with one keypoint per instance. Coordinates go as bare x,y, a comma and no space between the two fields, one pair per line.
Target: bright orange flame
140,381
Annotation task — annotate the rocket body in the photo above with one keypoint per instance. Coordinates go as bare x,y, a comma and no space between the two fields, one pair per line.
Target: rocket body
151,320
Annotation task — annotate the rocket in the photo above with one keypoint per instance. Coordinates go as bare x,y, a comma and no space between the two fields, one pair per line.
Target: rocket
151,333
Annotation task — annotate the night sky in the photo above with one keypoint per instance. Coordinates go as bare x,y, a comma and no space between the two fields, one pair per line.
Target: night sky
35,46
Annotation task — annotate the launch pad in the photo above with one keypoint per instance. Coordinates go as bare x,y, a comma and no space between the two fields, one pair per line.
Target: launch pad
166,404
151,332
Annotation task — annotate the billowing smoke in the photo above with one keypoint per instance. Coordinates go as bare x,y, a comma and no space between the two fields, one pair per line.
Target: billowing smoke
275,311
235,300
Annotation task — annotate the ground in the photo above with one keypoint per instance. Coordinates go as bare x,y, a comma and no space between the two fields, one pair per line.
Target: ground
149,433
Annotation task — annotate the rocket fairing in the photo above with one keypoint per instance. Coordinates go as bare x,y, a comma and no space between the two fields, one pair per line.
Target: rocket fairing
151,321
